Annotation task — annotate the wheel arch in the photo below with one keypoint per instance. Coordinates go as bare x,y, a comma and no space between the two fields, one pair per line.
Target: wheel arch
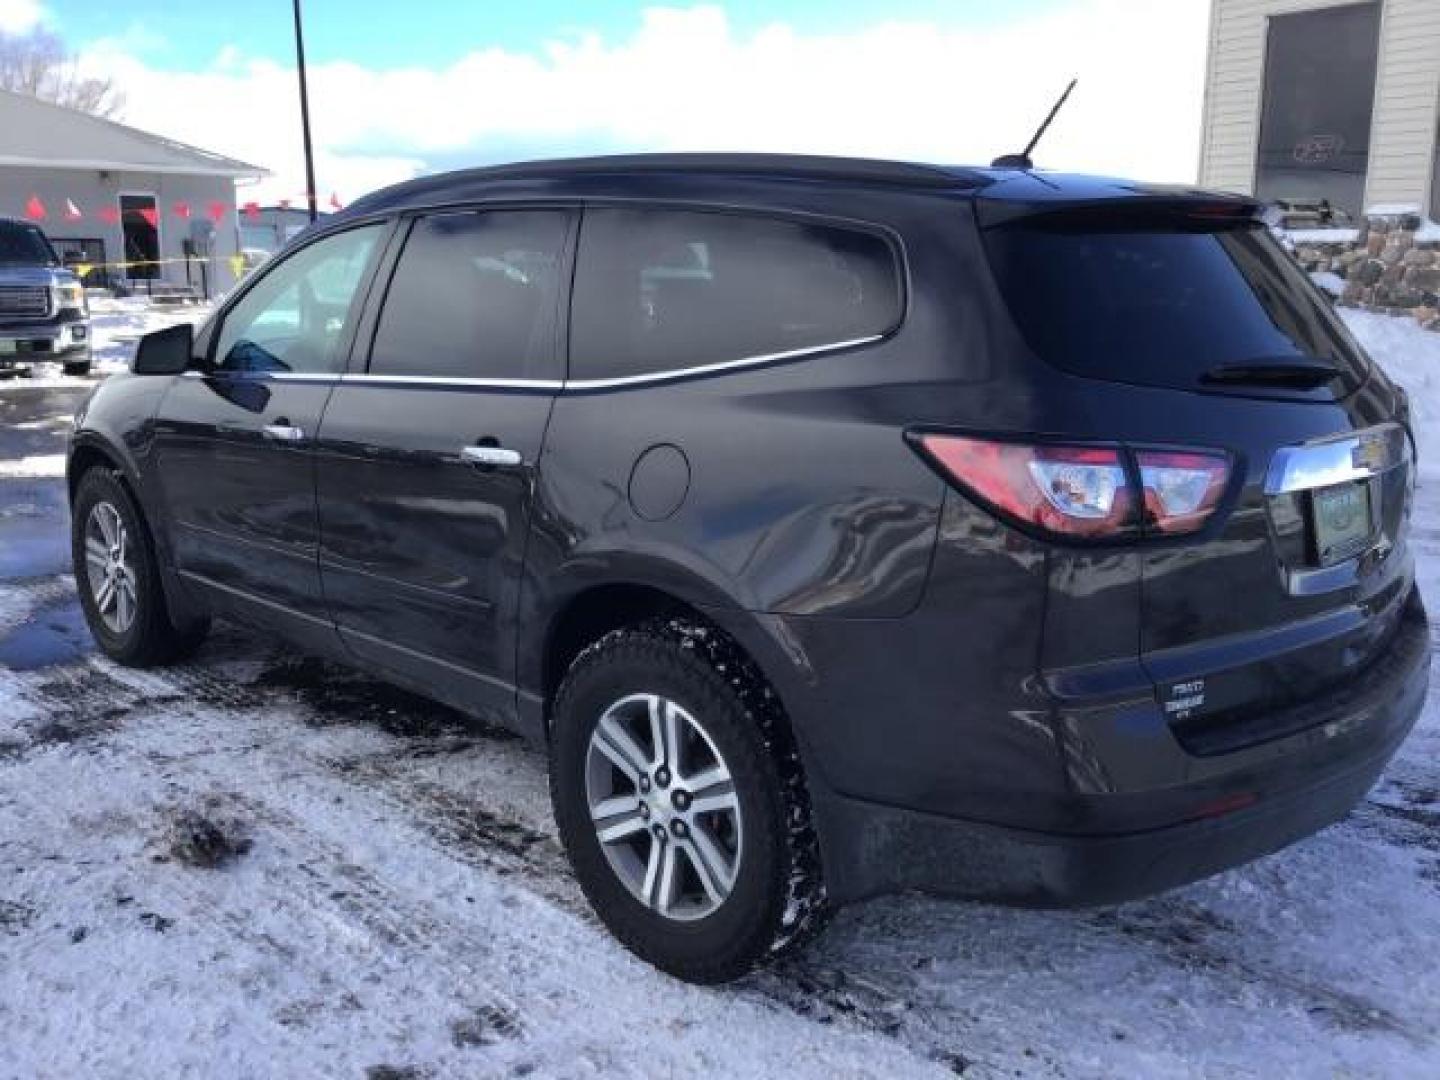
588,613
88,451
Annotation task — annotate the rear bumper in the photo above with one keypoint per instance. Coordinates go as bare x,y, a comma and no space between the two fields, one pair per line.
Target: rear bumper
1293,789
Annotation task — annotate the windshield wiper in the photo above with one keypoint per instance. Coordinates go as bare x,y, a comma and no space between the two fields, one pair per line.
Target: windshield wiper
1298,372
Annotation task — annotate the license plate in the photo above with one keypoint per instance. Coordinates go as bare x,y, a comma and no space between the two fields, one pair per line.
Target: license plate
1344,525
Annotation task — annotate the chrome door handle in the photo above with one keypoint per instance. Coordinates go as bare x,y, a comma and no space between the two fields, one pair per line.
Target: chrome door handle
490,455
283,433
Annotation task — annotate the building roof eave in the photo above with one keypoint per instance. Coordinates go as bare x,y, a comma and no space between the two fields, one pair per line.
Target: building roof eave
237,171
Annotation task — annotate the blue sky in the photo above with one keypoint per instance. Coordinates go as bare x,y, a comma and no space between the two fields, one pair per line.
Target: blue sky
186,35
404,88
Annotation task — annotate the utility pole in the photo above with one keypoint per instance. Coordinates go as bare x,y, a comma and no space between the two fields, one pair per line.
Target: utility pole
310,196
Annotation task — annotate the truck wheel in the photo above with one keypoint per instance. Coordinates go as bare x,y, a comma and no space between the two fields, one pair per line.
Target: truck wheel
118,578
681,802
78,367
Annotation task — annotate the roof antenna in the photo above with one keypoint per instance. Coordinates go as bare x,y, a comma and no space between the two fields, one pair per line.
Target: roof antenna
1022,159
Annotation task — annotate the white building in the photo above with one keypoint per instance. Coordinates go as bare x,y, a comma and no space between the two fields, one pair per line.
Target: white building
144,207
1322,99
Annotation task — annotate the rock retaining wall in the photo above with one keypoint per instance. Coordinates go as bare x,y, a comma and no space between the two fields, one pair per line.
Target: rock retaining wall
1393,266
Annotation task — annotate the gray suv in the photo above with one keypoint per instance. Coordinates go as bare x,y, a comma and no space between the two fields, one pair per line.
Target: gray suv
43,314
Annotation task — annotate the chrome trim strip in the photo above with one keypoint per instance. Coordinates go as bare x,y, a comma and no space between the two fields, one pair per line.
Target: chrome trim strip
441,381
724,365
265,376
1341,458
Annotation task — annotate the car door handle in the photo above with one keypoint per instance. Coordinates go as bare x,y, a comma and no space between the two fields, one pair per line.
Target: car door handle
490,455
283,432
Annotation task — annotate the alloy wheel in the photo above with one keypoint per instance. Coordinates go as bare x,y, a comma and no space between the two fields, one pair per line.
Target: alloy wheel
110,568
664,807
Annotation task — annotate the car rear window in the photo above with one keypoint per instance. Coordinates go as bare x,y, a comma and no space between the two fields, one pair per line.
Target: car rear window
1162,303
662,290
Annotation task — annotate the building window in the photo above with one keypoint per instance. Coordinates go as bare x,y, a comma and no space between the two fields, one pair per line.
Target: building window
87,252
1319,96
1435,174
140,227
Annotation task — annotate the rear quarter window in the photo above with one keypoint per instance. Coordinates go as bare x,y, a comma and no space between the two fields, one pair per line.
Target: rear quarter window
661,290
1161,304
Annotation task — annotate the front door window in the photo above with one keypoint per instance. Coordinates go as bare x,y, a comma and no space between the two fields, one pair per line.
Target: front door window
294,318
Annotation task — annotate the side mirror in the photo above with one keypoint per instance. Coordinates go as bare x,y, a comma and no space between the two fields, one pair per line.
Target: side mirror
165,352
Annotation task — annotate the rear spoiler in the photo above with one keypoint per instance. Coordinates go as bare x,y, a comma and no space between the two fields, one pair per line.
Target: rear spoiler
1199,211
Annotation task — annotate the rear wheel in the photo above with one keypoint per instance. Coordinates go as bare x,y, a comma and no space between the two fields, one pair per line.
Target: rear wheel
119,580
681,804
78,367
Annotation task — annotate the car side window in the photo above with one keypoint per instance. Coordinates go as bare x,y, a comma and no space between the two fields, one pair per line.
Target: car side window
294,318
663,290
474,295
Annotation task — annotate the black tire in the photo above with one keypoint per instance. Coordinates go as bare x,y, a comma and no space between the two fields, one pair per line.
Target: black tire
77,367
151,637
778,897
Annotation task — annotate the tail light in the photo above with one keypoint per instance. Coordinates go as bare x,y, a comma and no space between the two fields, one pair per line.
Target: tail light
1182,488
1085,492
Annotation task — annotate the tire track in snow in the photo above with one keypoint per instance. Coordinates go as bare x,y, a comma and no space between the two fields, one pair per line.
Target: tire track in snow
469,831
231,679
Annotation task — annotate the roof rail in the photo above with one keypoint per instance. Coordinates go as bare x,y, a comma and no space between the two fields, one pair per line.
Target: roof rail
782,166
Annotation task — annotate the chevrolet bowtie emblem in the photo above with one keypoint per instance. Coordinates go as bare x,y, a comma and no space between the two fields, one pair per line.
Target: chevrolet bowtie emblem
1369,453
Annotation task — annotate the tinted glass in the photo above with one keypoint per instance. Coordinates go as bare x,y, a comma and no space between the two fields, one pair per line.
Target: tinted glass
474,296
1162,307
140,231
24,244
295,317
1319,95
663,291
1435,175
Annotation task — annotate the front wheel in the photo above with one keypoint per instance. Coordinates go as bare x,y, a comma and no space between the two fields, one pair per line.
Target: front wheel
118,578
680,801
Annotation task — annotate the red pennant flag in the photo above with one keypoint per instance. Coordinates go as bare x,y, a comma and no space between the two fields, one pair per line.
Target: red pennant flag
109,215
217,211
335,202
72,212
151,216
35,209
252,210
181,210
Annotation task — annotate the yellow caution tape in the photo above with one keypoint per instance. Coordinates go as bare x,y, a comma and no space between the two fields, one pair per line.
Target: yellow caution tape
235,262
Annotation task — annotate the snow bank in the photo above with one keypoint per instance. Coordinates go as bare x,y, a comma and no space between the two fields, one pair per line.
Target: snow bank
1411,357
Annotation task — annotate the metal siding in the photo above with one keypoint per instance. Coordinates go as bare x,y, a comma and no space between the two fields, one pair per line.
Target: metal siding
90,192
1407,96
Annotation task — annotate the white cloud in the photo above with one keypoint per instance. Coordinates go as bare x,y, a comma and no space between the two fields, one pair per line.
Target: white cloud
686,79
20,16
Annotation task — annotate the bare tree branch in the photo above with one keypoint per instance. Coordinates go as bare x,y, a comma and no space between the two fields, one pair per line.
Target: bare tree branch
39,64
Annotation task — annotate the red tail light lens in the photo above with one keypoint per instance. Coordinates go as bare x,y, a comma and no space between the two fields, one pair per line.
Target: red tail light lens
1182,488
1085,491
1072,490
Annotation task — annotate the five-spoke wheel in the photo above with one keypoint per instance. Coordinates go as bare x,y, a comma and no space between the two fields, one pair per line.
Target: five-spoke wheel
118,576
681,803
109,570
664,806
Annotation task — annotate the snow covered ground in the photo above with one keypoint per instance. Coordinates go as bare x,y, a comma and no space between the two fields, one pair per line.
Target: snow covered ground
401,907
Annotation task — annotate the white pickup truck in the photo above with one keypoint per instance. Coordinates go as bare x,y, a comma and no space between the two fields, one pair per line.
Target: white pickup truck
43,314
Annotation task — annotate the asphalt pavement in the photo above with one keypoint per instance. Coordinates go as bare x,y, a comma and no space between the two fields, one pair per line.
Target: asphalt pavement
35,521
